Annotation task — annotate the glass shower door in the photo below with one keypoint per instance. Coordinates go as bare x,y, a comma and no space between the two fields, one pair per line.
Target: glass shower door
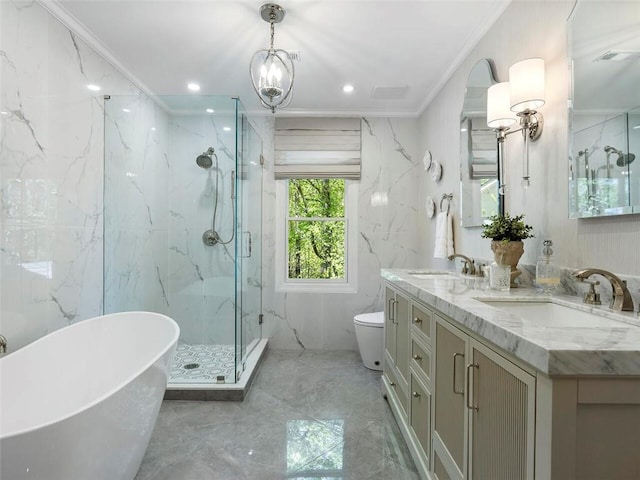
249,235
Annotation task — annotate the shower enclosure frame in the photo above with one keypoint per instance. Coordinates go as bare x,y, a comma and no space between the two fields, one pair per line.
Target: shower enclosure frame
158,203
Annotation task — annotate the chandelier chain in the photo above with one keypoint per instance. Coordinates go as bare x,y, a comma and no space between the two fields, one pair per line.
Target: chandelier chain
273,30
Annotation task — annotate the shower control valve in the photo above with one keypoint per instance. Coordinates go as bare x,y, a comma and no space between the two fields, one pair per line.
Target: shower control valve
210,238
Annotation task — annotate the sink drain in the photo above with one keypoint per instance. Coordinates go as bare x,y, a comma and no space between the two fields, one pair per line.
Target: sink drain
190,366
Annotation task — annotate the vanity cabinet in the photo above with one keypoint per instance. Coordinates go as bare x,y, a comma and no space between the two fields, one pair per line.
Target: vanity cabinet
476,398
467,412
408,370
484,411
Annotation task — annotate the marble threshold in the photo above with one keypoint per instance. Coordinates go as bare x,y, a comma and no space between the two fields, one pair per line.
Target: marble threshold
611,348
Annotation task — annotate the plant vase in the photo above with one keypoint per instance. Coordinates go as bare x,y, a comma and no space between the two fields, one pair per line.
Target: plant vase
508,253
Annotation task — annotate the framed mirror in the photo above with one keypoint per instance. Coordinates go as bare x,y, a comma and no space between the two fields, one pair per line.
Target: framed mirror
479,198
604,108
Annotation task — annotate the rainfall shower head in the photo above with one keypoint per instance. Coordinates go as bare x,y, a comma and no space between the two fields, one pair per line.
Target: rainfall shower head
205,160
623,159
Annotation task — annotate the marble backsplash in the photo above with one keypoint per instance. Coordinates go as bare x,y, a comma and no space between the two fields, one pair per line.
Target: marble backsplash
569,285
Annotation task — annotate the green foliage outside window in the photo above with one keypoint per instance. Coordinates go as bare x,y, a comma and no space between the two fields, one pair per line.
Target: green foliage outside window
317,229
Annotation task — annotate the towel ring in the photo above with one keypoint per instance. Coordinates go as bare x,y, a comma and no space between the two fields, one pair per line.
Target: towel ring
448,197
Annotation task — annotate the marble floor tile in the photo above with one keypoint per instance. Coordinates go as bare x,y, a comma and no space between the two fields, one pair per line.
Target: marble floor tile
310,414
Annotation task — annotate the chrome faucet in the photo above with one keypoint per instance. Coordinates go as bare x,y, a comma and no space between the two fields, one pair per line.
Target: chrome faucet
468,267
3,345
622,301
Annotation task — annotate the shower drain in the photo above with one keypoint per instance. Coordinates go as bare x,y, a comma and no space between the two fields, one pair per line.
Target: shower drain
190,366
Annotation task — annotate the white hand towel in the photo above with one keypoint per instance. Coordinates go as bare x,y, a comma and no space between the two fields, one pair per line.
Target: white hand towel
444,236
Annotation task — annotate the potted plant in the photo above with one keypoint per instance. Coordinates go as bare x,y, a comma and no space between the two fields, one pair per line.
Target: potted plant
507,233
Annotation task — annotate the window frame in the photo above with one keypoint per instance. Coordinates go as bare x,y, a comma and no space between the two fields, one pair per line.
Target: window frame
286,284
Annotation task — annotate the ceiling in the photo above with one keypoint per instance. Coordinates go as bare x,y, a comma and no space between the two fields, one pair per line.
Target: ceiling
413,46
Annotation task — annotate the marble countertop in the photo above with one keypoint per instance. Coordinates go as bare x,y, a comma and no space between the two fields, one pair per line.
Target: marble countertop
611,348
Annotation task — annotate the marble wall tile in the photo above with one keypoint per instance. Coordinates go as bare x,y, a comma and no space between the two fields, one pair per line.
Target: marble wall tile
51,173
387,195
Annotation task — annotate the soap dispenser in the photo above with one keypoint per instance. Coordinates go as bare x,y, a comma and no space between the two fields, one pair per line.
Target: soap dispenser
547,274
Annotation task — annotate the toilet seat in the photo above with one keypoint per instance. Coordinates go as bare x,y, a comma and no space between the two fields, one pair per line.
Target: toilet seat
375,319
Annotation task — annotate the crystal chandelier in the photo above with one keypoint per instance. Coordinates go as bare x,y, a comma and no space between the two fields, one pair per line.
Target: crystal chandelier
272,70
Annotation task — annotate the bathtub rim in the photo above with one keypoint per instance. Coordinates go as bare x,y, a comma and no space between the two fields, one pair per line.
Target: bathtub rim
128,379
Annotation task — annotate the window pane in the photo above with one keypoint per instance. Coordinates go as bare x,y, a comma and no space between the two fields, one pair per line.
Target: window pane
316,197
316,249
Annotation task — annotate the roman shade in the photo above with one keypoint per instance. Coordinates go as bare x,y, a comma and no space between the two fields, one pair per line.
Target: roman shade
483,160
317,148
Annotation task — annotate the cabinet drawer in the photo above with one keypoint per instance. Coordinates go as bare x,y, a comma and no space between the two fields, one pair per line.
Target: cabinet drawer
421,319
420,420
421,359
397,389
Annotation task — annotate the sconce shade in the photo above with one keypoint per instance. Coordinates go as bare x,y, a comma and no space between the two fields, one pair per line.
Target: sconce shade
499,114
527,85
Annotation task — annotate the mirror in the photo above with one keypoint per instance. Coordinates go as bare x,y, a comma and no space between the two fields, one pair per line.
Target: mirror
479,197
604,108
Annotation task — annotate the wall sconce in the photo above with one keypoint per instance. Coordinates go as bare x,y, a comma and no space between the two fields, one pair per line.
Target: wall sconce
500,118
522,95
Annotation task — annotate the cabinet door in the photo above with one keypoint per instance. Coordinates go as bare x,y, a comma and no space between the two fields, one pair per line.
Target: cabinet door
402,336
389,323
502,403
450,420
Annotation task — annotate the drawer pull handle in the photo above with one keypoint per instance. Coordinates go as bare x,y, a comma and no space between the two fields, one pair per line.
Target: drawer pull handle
461,392
393,384
417,357
417,320
416,395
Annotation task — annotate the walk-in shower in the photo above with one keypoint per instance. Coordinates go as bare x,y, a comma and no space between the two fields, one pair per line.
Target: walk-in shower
158,202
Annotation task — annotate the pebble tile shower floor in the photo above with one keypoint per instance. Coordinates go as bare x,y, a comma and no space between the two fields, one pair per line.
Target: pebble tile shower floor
310,414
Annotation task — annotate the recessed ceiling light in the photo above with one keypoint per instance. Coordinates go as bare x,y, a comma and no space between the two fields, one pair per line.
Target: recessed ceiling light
210,110
3,112
153,129
635,127
194,87
94,88
226,129
126,110
347,88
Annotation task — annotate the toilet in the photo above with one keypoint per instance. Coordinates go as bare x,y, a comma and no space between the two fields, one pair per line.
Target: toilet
370,335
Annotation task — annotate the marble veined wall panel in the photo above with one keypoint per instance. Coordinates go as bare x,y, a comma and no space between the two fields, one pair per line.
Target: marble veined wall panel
51,173
136,205
387,235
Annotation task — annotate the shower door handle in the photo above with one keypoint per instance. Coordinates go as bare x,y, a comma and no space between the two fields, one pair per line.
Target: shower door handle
248,244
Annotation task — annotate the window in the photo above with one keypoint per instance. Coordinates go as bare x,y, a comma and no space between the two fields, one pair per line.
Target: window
316,229
317,234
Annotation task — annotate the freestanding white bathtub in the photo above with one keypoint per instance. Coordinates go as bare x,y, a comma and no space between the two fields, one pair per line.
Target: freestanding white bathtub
81,402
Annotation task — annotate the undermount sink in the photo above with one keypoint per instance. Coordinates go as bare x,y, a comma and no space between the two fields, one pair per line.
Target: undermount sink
550,314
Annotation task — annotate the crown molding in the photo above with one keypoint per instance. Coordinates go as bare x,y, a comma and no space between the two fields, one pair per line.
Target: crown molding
473,41
58,11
